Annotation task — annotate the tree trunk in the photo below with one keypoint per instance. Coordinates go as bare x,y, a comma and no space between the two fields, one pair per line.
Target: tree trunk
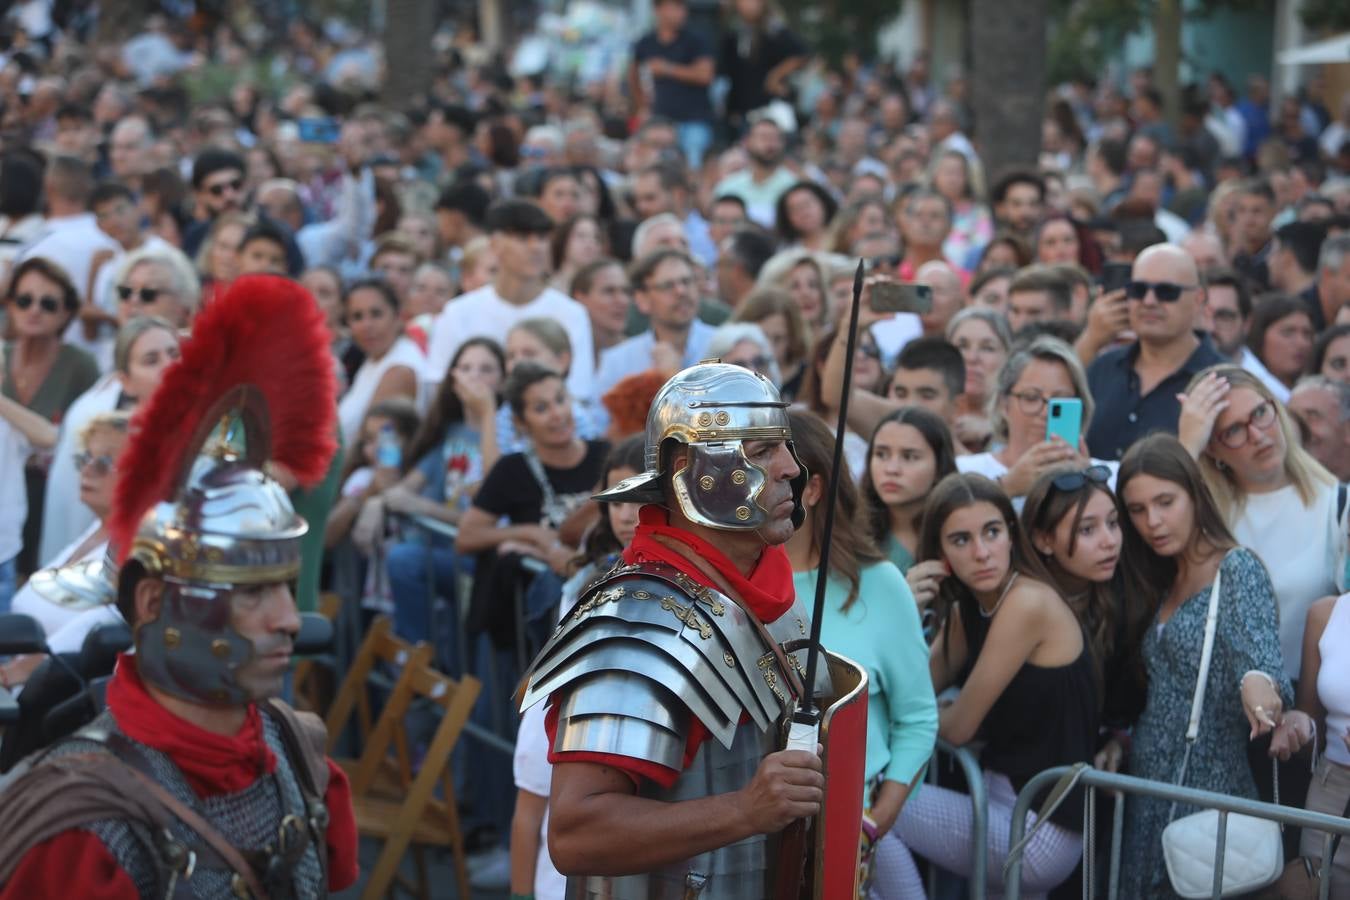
409,25
1167,57
1007,86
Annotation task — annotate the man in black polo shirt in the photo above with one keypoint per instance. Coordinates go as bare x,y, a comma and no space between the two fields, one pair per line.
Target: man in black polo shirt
1136,386
679,69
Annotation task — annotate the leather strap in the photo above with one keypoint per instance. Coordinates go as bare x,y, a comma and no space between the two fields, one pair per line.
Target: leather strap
130,756
789,671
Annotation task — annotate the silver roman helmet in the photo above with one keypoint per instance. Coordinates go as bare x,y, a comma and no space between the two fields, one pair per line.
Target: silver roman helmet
713,408
196,506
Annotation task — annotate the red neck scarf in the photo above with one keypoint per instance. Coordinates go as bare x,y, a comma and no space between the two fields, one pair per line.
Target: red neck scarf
768,590
212,763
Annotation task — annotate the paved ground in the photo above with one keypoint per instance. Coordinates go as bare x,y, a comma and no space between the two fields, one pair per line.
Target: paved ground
442,876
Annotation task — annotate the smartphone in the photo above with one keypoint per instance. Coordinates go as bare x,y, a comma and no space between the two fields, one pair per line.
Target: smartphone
1065,420
318,129
1115,275
892,296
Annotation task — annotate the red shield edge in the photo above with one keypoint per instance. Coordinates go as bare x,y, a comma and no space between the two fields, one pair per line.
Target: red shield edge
843,734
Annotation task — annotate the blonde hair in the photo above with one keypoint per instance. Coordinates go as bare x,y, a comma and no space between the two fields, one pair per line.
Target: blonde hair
1045,348
1303,471
116,420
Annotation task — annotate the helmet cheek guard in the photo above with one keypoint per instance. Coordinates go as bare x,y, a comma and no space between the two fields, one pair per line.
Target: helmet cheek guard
718,487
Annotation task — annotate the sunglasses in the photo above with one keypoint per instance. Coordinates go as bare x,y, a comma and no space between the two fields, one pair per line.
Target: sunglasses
884,262
1165,291
1073,481
102,464
147,295
45,303
219,189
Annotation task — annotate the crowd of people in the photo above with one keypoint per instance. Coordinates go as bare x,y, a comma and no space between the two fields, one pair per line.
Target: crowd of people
512,267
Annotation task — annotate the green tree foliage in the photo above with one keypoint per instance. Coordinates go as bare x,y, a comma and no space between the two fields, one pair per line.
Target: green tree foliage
835,28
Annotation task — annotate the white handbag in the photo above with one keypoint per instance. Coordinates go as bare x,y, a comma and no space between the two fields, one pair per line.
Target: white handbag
1253,848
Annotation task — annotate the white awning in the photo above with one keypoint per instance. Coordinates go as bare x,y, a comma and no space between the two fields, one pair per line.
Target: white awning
1331,50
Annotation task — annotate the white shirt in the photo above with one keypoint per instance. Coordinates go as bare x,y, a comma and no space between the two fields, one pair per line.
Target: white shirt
760,197
1303,548
635,355
53,617
355,403
66,517
1252,364
483,313
1174,226
71,242
14,452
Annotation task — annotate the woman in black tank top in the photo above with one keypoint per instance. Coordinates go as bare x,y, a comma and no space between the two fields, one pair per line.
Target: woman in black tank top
1026,672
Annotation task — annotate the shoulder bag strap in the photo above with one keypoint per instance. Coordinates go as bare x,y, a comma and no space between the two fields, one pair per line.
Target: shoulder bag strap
1202,678
536,467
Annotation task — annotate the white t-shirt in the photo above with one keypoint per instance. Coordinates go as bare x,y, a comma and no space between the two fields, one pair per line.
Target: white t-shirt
483,313
66,517
14,452
354,404
49,615
1303,548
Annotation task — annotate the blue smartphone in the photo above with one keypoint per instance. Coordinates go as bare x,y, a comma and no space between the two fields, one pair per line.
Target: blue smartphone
318,130
1065,420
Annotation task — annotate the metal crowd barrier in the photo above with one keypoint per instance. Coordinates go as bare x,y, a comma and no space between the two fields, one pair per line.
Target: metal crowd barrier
1093,779
496,738
979,803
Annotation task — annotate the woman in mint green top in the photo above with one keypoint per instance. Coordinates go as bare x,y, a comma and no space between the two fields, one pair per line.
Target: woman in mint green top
910,451
870,616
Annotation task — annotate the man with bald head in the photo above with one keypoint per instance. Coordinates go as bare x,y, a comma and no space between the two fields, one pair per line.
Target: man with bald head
948,297
1136,385
129,151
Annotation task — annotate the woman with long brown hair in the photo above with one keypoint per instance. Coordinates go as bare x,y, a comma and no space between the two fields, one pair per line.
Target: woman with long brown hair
1176,545
1027,676
870,617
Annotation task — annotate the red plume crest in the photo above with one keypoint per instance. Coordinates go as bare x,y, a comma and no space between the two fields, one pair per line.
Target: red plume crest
266,331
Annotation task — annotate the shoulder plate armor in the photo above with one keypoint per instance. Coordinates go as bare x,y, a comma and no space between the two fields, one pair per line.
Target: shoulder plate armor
642,650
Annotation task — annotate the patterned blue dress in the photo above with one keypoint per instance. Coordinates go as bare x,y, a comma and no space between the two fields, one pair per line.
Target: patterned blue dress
1246,637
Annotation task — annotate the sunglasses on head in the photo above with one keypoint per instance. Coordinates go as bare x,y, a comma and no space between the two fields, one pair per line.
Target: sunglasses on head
147,295
234,184
1073,481
1165,291
45,303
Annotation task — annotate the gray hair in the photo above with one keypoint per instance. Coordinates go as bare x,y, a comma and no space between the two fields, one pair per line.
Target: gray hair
647,226
732,333
1339,389
991,317
1334,250
182,275
130,333
1047,349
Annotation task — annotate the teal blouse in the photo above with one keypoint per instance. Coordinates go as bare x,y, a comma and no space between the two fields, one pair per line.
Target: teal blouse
881,632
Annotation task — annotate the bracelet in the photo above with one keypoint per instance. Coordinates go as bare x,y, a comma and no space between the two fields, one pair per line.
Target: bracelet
1270,681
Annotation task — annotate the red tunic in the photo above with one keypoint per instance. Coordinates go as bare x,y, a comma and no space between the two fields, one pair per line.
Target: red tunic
768,591
76,862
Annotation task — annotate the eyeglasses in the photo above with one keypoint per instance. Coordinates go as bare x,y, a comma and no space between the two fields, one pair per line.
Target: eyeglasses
884,262
671,284
102,464
147,295
871,351
218,190
1030,402
47,304
1235,436
1227,315
1165,291
1073,481
755,363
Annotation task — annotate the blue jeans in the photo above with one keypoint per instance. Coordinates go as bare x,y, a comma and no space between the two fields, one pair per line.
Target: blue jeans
418,573
695,138
8,583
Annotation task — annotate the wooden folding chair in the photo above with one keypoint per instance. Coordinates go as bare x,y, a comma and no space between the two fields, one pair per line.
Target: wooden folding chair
380,645
417,818
304,684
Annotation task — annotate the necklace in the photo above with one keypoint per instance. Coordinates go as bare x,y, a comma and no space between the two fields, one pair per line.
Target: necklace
1001,597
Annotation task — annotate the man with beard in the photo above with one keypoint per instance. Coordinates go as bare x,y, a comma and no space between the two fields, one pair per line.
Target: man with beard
669,682
195,781
760,185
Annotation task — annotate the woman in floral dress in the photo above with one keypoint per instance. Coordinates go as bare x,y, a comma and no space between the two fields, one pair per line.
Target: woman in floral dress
1175,543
